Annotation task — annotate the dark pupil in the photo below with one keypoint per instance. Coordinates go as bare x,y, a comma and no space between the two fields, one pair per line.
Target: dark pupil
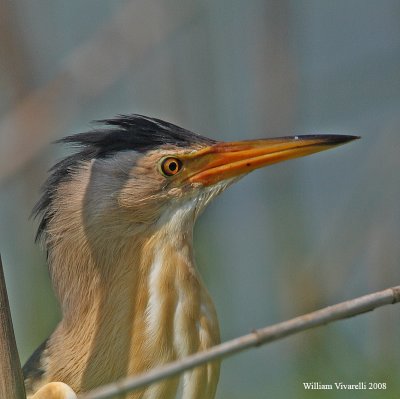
172,166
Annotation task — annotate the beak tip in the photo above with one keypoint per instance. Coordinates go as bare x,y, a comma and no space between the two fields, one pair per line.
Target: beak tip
343,139
347,138
335,138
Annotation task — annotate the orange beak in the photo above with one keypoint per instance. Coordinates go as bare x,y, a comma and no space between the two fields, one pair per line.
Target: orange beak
226,160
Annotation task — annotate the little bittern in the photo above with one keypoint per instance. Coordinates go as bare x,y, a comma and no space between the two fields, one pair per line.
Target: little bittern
117,222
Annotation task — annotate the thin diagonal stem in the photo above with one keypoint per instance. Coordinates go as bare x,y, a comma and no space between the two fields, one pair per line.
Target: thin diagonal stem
256,338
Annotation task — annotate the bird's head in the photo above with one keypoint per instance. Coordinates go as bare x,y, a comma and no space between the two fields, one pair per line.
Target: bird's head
138,172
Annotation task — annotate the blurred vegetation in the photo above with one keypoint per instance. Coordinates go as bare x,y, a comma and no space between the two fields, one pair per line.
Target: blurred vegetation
285,240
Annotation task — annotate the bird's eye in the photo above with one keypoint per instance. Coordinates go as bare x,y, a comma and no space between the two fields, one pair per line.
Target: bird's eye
170,166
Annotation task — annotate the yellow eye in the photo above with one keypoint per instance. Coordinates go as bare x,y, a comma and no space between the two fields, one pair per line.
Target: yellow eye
171,166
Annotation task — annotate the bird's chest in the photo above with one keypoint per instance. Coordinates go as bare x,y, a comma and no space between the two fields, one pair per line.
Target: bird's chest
173,318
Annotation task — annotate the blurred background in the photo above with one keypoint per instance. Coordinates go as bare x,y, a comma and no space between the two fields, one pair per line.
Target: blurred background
285,240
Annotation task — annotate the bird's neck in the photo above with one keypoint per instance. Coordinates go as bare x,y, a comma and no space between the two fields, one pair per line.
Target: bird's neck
132,306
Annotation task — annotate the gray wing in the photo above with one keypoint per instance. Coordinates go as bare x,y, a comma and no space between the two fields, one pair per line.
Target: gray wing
33,369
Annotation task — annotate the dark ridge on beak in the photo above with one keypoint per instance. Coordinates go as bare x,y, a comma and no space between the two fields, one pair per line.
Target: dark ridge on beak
328,138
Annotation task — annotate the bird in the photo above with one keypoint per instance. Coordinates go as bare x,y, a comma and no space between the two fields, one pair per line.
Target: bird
116,219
